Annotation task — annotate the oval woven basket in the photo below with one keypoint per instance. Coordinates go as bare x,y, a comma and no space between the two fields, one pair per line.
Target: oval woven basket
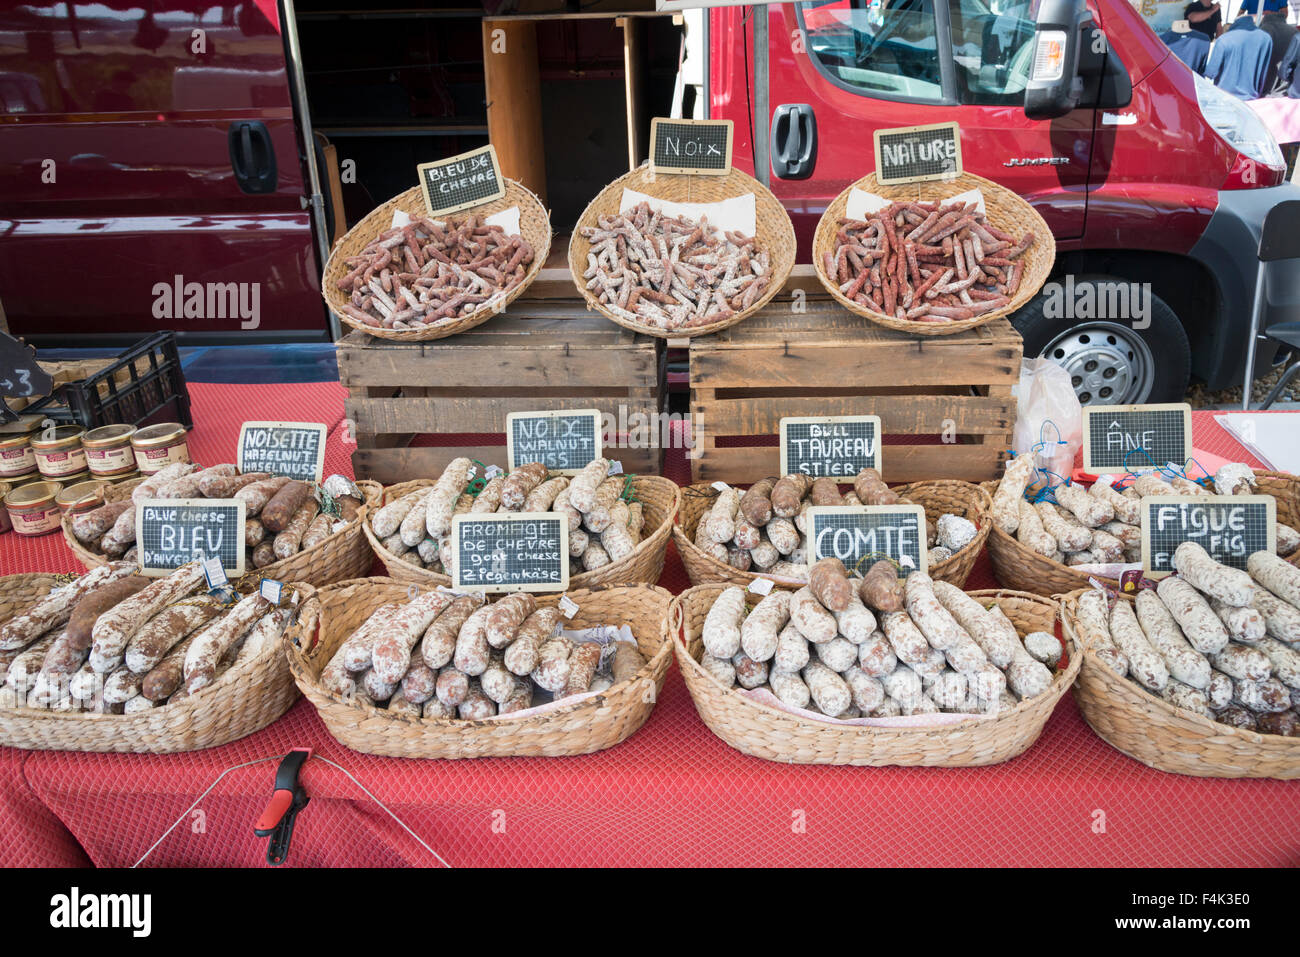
937,498
660,499
244,699
763,731
1015,566
1146,727
534,226
344,554
592,724
1004,209
774,234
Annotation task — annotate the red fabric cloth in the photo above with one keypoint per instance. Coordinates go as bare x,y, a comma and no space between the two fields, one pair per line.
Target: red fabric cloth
672,794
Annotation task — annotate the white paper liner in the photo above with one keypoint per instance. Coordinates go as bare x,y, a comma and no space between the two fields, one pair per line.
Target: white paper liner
739,213
938,720
507,219
861,204
1114,570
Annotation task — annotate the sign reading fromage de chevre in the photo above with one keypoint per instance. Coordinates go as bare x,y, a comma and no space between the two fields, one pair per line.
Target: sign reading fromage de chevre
838,445
701,147
1230,527
916,154
295,449
459,182
1136,437
860,535
563,441
510,551
174,532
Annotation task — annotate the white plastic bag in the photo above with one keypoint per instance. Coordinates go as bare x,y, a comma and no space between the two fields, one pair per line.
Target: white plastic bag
1049,420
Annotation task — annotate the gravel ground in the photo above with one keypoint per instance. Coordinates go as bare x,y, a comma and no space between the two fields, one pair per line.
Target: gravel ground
1200,398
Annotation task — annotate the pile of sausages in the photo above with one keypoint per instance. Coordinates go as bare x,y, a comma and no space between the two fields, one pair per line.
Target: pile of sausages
1101,525
927,262
765,529
604,526
1214,640
876,647
283,516
422,274
116,642
441,655
672,272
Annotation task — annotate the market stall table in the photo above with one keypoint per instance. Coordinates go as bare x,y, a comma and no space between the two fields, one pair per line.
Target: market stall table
672,794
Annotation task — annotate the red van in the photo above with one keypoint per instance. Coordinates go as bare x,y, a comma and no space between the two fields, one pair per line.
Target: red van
1156,177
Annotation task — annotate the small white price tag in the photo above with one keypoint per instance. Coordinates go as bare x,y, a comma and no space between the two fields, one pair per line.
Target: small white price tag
615,467
721,486
761,586
568,606
906,561
271,590
1106,481
493,471
215,574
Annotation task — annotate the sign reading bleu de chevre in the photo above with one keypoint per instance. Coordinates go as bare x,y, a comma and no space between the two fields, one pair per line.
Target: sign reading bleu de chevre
460,182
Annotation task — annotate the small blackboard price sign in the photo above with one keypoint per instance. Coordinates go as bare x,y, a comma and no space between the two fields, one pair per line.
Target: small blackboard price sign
1230,527
702,147
174,532
295,449
1136,438
859,535
840,446
513,551
462,181
563,441
917,154
20,376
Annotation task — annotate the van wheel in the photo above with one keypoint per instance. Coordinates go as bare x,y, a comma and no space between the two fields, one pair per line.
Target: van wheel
1110,362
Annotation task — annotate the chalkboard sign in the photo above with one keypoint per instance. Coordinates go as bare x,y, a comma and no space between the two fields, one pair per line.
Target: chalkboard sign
916,154
840,446
459,182
1230,527
1136,437
174,532
295,449
563,441
702,147
859,535
510,551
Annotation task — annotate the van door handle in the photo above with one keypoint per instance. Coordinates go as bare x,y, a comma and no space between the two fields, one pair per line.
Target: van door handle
794,141
251,156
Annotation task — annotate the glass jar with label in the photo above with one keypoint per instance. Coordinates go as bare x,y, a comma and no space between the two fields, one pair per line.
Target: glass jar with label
108,450
58,451
5,524
158,446
17,459
32,508
81,497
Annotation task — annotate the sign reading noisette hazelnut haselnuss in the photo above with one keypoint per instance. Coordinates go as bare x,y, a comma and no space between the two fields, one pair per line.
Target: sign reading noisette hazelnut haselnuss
295,449
174,532
510,551
459,182
917,154
701,147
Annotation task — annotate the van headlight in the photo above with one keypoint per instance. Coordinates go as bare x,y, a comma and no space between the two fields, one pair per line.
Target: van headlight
1237,123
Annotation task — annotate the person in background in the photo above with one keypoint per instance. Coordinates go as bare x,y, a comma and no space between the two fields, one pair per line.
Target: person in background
1239,59
1204,17
1288,71
1190,46
1283,35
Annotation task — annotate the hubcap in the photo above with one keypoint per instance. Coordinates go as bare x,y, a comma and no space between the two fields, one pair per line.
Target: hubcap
1108,364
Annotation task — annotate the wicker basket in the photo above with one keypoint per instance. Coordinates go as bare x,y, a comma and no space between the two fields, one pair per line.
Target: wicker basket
243,700
937,498
775,234
660,498
767,732
344,554
1015,566
1150,729
591,724
534,226
1005,210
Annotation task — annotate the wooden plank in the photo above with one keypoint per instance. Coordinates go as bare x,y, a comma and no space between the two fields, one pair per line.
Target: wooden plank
633,83
902,463
390,466
514,101
479,414
911,415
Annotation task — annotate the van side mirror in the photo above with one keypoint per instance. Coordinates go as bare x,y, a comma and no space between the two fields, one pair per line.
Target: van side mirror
1054,86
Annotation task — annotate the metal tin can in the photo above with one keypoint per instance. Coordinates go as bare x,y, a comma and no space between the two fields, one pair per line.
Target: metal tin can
108,450
32,508
158,446
59,453
81,497
5,524
17,459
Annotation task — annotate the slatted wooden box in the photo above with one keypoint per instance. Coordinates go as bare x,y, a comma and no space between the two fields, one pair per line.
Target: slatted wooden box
953,392
537,356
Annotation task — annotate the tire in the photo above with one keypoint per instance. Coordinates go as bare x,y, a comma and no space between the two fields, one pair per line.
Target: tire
1110,362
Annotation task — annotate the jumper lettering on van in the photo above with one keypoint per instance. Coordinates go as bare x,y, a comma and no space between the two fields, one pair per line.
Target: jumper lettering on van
214,300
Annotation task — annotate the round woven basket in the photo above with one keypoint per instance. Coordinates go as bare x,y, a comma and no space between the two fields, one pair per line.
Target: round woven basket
763,731
659,497
937,498
534,226
775,234
592,724
245,699
1004,209
344,554
1015,566
1146,727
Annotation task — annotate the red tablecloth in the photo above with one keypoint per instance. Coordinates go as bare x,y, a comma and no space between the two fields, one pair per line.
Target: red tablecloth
672,794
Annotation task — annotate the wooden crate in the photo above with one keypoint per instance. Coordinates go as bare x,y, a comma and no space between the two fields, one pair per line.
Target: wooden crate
827,361
538,355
